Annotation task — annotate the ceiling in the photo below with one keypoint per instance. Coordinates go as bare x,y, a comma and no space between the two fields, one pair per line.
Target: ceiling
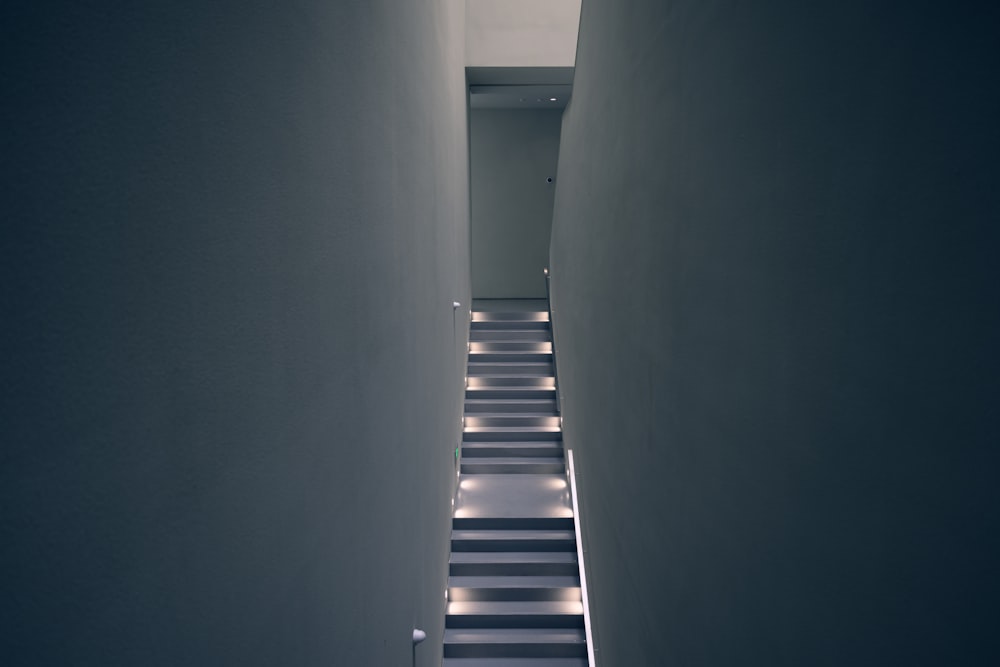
519,87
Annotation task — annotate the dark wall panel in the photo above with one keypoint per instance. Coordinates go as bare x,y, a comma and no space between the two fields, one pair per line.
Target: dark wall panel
232,373
514,153
776,306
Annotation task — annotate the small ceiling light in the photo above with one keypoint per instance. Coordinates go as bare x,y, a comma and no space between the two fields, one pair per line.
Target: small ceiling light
552,99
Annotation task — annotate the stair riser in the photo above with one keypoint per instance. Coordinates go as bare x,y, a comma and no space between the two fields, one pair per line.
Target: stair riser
479,385
513,569
532,370
511,436
511,420
497,336
514,621
514,594
477,347
508,325
488,544
486,468
518,662
544,407
510,357
485,650
512,523
508,393
481,451
524,314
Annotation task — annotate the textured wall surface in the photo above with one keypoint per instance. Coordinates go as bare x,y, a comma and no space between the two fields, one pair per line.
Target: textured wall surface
776,310
231,377
513,154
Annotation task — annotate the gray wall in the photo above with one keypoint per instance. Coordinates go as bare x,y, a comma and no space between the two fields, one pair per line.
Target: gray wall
513,153
776,310
231,377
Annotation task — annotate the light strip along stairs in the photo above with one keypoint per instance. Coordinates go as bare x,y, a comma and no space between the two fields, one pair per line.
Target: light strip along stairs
514,582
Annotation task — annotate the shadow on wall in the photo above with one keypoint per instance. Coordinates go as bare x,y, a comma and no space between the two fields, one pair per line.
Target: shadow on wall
232,381
774,296
514,156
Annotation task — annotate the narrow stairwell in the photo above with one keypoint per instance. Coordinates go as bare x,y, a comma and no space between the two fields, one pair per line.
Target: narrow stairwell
514,594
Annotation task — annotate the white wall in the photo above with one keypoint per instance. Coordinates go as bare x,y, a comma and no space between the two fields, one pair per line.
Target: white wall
514,152
521,33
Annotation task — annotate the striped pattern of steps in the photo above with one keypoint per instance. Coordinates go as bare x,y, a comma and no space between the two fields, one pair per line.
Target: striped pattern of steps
514,585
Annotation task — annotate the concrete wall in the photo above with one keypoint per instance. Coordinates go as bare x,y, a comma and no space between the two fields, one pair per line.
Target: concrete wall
231,377
776,310
521,33
514,152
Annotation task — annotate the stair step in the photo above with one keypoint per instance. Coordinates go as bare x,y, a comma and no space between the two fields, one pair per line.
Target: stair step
544,449
512,588
477,406
507,368
508,315
546,642
507,420
510,381
515,433
486,393
514,662
510,357
513,540
513,563
519,614
476,347
506,465
534,335
508,325
513,523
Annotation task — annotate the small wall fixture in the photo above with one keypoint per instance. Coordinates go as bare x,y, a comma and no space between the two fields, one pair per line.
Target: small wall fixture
455,305
418,636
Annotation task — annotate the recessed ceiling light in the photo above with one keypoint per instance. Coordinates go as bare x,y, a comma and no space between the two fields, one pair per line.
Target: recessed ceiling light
552,99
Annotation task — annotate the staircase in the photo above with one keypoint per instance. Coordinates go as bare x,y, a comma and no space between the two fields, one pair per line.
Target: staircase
514,583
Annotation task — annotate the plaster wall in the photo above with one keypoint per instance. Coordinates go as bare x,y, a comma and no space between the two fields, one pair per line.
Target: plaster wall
514,153
232,374
776,310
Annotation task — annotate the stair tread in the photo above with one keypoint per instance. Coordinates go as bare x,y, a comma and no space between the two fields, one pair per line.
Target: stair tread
511,382
538,444
513,557
511,415
510,336
501,460
535,314
509,401
512,581
514,662
499,534
515,608
510,325
504,389
510,635
511,429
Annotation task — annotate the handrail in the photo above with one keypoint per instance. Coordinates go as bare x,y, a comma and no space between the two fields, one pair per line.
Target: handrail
571,473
